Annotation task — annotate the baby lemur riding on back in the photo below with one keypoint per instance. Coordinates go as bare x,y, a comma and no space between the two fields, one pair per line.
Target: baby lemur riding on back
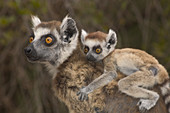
141,69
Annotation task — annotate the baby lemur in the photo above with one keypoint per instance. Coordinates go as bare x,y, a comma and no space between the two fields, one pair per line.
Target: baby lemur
142,70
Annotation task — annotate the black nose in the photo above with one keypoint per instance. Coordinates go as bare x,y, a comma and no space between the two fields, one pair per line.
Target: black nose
91,58
28,50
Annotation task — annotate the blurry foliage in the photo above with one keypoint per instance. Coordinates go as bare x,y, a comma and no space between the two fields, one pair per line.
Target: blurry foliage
13,13
26,87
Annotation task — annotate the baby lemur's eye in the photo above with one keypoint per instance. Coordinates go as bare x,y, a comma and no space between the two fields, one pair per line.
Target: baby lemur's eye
48,40
98,50
86,50
31,39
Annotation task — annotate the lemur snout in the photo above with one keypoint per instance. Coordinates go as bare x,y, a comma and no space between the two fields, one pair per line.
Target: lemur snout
28,50
30,53
91,58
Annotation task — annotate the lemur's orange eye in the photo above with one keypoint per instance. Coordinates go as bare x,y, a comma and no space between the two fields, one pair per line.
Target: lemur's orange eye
98,50
86,50
31,39
48,40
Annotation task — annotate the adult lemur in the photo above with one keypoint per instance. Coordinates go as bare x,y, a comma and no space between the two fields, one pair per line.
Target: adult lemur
56,45
142,70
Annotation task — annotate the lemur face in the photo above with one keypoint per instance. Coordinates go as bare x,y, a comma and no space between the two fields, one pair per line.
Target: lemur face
98,45
50,40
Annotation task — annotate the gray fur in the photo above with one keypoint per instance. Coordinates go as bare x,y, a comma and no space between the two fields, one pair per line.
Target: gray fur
128,70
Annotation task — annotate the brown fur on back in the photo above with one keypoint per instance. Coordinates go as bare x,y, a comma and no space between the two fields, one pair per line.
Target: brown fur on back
142,54
100,36
140,57
77,72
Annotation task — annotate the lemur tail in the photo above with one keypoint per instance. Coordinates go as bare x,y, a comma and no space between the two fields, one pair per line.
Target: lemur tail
165,90
164,82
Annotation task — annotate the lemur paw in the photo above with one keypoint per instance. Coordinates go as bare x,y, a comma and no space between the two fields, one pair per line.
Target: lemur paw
145,104
83,95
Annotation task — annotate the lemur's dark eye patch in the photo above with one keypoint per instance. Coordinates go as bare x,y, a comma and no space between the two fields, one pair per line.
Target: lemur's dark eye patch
48,39
86,49
97,49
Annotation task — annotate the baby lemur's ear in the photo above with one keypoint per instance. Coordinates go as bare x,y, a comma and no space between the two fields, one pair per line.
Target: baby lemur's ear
83,35
111,39
68,30
35,20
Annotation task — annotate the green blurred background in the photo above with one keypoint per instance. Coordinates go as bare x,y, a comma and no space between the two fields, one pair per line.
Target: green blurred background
26,87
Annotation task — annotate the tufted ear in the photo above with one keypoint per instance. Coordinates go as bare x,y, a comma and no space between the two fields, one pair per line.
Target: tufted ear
35,20
111,39
83,35
68,30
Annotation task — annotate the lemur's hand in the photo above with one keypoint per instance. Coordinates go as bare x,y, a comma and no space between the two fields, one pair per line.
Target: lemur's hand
83,95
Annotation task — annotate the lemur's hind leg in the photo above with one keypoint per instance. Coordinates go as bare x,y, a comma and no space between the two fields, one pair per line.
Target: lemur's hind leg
135,85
